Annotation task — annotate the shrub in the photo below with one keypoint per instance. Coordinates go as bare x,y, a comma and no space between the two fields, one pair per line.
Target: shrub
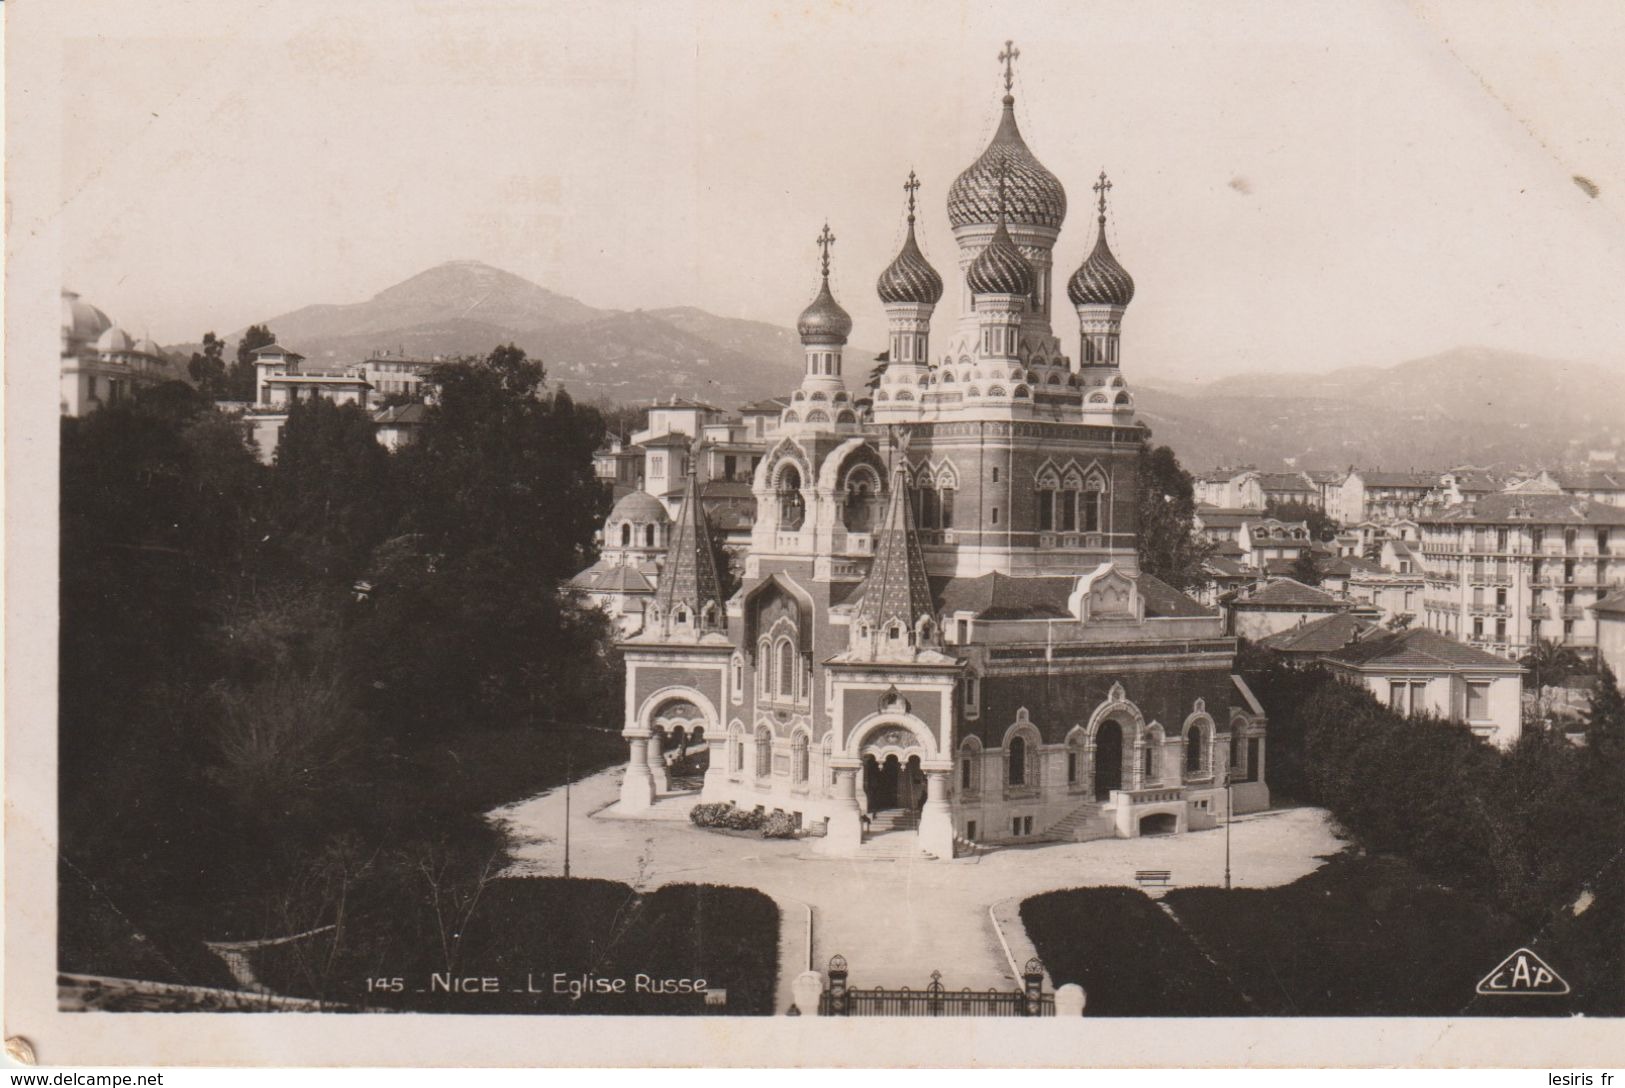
779,826
724,815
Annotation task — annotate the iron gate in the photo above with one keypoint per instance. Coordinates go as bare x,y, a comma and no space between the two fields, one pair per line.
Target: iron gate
839,999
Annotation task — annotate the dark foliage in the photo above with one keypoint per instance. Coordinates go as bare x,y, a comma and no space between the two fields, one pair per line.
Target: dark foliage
254,741
1321,525
1168,545
1532,826
1129,957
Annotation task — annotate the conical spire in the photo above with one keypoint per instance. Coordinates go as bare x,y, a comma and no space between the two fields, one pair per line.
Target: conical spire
896,589
689,582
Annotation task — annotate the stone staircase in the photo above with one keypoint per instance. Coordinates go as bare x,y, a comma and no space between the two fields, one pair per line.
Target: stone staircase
893,819
1084,822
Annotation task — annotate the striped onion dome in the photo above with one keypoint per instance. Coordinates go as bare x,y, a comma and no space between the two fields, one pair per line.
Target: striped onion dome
1000,269
824,322
1033,196
1100,280
910,278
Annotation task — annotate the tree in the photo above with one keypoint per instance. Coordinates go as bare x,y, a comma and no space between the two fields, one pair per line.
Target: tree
240,380
1549,661
877,372
1306,568
207,368
1168,545
1321,526
333,489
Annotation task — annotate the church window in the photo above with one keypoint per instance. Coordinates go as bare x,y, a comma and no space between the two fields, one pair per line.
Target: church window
1069,510
787,669
764,666
1071,768
738,675
964,774
1193,750
1046,509
1148,760
947,494
626,535
995,515
1016,762
648,536
995,474
764,751
798,760
930,507
791,505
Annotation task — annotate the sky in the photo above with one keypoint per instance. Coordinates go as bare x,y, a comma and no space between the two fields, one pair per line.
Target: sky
1296,186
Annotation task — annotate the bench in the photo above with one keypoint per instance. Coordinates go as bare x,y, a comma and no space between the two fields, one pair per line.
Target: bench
1154,878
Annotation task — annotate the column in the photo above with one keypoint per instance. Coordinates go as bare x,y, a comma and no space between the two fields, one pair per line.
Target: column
936,821
637,786
657,763
715,786
845,834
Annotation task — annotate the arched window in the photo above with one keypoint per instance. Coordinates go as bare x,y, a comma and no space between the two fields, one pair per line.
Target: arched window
1016,762
1193,750
791,507
1149,763
764,667
1238,750
764,751
648,536
1094,500
626,534
798,760
1045,496
786,665
738,675
737,743
930,508
859,512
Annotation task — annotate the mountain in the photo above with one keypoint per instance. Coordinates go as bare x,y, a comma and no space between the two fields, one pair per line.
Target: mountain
1467,405
467,308
1475,405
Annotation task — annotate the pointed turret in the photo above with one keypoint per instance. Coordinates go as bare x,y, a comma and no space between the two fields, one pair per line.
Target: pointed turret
896,616
689,600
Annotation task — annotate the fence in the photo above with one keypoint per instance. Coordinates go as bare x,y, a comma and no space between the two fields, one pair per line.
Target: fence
839,999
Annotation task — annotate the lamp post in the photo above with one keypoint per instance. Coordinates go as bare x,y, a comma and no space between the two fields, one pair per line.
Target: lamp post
1229,814
568,753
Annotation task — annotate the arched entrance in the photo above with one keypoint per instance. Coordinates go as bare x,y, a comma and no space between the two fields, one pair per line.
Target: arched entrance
1159,823
1108,759
893,783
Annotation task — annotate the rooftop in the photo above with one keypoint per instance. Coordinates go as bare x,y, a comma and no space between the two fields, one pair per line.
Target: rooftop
1506,508
1418,648
1613,604
1289,593
1321,636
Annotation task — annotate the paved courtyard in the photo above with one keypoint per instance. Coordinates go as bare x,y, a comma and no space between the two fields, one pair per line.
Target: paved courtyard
894,919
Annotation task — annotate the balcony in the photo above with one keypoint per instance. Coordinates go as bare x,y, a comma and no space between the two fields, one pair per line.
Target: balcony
1574,612
1539,612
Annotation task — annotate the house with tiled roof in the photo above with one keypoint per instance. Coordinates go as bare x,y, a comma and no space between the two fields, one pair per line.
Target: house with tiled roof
1277,605
1290,487
1608,487
1380,495
1425,673
1515,568
1308,642
1610,618
1229,488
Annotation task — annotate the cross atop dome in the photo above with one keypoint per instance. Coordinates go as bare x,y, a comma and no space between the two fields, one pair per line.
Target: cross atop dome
911,186
825,240
1008,56
1102,187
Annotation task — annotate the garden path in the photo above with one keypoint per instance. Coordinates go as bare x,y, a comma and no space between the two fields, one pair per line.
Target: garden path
895,920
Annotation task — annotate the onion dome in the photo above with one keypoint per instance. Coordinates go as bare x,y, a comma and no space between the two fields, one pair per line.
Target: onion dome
910,278
1000,269
1100,280
1034,196
114,339
638,506
81,320
824,322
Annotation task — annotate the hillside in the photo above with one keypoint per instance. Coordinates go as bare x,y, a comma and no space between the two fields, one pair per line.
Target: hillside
1469,404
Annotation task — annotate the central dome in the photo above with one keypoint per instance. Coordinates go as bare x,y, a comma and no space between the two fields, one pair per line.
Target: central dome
1033,196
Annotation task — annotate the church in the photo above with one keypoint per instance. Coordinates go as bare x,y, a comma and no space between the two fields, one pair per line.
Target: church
942,629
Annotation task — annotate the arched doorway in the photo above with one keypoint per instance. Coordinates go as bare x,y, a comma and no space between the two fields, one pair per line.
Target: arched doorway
881,782
1108,759
1159,823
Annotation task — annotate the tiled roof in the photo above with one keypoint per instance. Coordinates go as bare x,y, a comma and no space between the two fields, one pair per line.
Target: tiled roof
669,440
402,413
1613,604
1377,478
1225,567
1288,593
1350,564
1322,636
1510,507
1417,648
1000,597
1284,481
773,405
727,489
1592,481
683,402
